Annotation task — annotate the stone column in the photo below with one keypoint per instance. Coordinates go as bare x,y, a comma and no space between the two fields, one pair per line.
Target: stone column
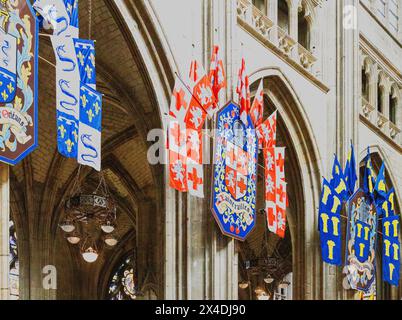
199,262
272,14
348,100
373,85
4,231
294,27
385,99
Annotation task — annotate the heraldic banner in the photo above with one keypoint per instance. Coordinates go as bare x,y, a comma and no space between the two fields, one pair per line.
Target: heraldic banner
360,263
235,174
18,80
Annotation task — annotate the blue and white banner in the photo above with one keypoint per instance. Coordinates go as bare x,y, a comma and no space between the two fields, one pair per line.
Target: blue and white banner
60,15
8,67
90,126
85,50
67,96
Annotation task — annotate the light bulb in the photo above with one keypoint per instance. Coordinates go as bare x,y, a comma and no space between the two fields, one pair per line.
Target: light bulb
67,226
90,255
268,279
107,227
111,241
74,239
263,296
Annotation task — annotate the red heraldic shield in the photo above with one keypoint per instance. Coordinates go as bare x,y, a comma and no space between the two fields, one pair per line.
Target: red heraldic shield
236,170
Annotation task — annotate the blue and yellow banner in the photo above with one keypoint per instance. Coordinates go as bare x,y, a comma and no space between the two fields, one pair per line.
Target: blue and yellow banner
391,257
330,225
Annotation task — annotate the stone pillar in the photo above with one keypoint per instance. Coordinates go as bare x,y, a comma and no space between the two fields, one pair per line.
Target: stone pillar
199,262
4,231
272,14
349,73
385,99
373,85
294,27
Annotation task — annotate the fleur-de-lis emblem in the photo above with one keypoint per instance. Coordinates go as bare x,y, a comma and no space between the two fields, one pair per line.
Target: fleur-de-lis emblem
97,107
62,131
4,95
10,87
75,134
69,145
90,115
84,100
81,57
92,58
89,71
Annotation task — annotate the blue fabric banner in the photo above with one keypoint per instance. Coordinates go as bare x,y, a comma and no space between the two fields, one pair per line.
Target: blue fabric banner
89,144
391,262
85,50
330,225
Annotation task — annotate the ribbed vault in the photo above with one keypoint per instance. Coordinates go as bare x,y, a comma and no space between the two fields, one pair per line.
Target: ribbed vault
41,182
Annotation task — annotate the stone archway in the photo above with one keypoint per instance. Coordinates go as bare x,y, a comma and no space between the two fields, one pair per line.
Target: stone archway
130,72
378,157
303,177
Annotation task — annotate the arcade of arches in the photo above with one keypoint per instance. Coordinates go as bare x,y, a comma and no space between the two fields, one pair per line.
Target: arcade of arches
169,246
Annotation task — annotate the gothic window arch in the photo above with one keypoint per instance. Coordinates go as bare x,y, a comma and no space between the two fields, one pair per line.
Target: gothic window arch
304,26
381,92
365,80
393,105
260,4
123,282
14,274
283,15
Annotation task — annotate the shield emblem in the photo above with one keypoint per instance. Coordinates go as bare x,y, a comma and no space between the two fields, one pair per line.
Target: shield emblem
8,67
362,241
236,170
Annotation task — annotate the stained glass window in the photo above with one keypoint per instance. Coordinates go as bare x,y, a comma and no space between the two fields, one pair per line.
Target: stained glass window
14,264
122,284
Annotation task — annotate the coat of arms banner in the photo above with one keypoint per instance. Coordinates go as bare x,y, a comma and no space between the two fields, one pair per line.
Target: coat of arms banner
235,174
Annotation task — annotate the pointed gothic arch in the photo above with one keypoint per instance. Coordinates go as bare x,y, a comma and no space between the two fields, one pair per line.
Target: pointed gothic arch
295,132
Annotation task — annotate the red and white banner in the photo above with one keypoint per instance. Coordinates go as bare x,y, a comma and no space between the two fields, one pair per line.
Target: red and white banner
275,190
243,91
217,79
257,108
186,172
266,132
179,104
203,98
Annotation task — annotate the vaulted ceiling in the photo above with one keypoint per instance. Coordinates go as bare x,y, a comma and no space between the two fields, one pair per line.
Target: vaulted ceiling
40,183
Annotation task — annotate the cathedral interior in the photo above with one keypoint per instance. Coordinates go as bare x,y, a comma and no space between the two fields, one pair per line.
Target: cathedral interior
168,244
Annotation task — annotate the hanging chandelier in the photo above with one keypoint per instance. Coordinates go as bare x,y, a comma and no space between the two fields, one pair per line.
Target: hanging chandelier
90,219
